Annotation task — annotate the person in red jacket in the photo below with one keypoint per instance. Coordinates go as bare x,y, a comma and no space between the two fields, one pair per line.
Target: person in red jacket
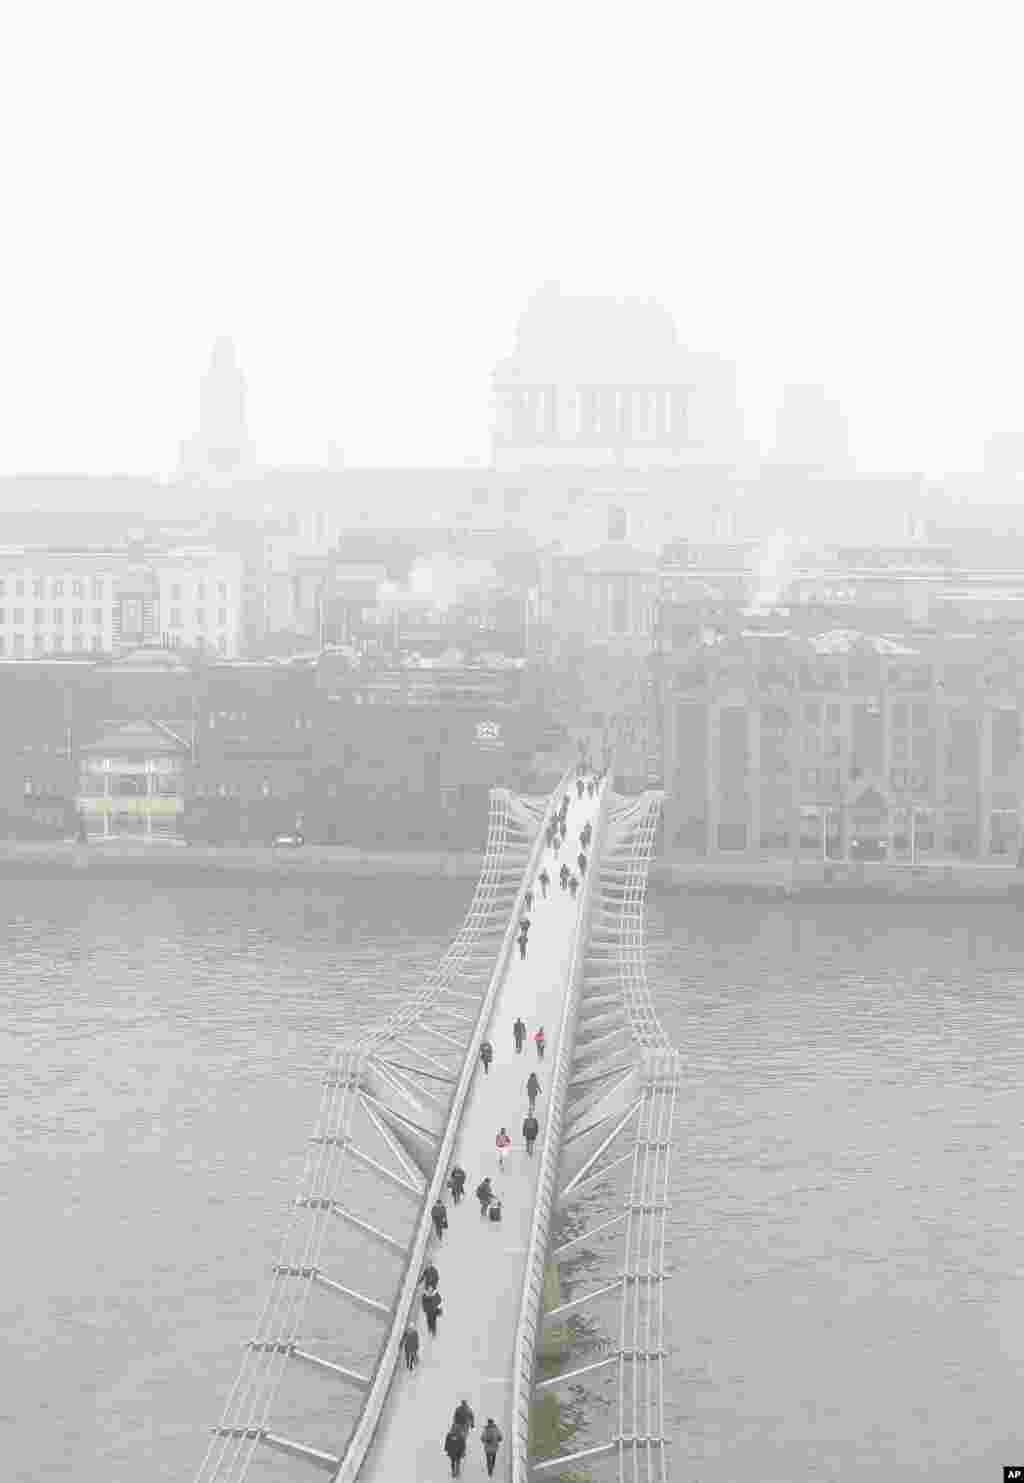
540,1043
501,1143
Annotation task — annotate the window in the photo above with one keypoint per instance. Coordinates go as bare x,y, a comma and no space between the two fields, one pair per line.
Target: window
3,587
922,717
3,644
58,643
175,618
58,617
78,643
834,714
97,644
222,617
222,591
57,589
222,644
38,617
37,587
899,714
19,615
812,713
97,617
200,618
19,644
19,587
97,589
78,588
200,592
3,615
76,617
176,592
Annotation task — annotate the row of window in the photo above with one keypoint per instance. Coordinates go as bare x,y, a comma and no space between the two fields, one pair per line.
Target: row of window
200,591
77,587
18,648
16,617
174,618
15,587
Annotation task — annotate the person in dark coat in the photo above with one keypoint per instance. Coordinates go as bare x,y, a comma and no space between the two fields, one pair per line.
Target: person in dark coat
579,787
439,1216
464,1416
519,1034
522,946
545,881
411,1346
563,876
487,1056
581,861
484,1194
562,828
494,1212
455,1447
429,1277
528,901
574,886
491,1439
531,1127
533,1088
431,1304
457,1183
590,788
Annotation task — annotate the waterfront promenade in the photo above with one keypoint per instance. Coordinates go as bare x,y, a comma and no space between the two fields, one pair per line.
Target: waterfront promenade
482,1264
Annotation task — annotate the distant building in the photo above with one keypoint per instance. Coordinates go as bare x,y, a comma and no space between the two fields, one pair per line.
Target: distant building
107,602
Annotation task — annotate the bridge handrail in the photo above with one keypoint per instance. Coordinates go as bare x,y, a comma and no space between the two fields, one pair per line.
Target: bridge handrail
373,1405
524,1354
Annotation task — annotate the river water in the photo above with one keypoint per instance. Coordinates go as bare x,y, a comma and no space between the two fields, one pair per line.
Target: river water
846,1297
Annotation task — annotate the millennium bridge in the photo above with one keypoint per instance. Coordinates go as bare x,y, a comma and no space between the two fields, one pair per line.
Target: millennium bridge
323,1385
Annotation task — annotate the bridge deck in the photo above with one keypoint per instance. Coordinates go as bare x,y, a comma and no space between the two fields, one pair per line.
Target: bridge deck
482,1264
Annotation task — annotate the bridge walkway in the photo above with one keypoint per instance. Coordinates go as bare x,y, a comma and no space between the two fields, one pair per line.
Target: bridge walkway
482,1265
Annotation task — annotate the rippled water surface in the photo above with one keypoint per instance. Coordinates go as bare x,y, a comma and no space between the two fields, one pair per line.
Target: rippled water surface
845,1293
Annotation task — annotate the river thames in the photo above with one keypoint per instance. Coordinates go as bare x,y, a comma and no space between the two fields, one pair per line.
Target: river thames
847,1264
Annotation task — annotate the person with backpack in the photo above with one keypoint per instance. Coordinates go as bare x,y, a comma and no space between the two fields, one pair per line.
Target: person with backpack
491,1439
464,1416
457,1183
439,1216
484,1194
455,1447
531,1127
487,1056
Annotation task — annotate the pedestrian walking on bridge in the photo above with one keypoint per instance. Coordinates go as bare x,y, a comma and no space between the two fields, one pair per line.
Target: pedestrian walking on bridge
590,788
579,787
485,1194
491,1439
487,1056
464,1416
531,1127
581,861
455,1447
501,1143
533,1089
411,1346
522,946
431,1305
528,900
574,886
545,881
563,875
439,1216
429,1277
457,1183
519,1035
540,1043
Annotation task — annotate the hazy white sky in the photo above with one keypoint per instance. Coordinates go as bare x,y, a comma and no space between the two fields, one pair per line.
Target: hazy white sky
365,195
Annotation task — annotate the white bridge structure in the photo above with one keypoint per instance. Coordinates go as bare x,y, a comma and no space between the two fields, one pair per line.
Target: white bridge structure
323,1384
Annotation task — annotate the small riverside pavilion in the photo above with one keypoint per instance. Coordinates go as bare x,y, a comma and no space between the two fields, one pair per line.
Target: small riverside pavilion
131,782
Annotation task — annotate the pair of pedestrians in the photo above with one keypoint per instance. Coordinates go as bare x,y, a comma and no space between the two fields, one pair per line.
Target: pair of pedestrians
457,1438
